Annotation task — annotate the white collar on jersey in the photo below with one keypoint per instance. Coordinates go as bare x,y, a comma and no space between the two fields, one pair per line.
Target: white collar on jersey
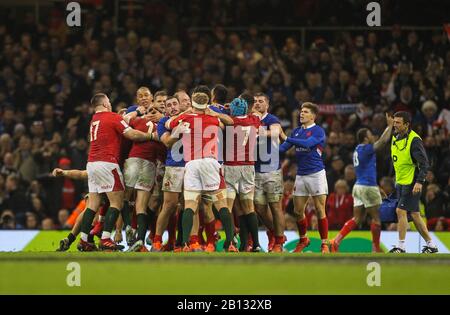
241,116
264,116
309,126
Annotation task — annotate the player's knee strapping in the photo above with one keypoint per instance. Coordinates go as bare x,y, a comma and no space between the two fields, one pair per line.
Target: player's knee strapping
190,195
231,194
221,195
260,199
248,196
271,197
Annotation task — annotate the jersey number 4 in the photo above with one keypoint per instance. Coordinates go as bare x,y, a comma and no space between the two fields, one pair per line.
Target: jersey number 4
94,129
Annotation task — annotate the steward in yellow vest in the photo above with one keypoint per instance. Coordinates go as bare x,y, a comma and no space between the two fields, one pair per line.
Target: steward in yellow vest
411,165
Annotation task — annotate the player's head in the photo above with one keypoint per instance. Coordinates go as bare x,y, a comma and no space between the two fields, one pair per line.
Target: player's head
172,105
200,101
238,107
184,100
261,103
364,135
144,97
219,94
402,121
202,89
100,102
308,113
249,98
160,99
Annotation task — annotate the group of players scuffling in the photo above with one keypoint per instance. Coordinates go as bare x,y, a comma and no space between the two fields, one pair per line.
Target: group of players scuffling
166,163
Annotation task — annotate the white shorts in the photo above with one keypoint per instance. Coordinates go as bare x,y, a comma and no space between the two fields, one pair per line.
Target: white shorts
366,196
139,173
268,187
269,183
239,178
160,170
203,175
173,179
311,185
104,177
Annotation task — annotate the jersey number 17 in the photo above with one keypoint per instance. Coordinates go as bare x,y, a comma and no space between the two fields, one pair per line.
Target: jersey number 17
94,129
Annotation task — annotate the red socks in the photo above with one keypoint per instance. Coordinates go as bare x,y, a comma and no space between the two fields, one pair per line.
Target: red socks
323,228
172,228
193,239
103,210
210,229
347,228
157,238
279,240
376,230
133,218
302,226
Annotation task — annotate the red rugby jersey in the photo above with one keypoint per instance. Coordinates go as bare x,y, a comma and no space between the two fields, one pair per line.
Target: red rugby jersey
240,140
106,135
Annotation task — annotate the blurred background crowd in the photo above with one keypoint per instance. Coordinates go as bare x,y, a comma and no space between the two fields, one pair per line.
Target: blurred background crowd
49,71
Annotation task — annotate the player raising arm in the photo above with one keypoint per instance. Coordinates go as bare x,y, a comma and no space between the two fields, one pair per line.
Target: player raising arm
107,130
366,194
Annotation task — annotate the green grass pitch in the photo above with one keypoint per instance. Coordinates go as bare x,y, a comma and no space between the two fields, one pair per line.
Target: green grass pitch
222,273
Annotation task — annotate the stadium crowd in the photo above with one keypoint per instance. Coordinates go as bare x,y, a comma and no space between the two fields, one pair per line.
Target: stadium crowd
49,72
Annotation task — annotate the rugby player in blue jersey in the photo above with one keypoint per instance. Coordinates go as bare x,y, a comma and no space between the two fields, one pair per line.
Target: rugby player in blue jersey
172,183
311,180
268,175
366,194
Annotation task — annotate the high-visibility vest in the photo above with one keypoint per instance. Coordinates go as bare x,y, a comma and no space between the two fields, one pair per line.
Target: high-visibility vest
402,159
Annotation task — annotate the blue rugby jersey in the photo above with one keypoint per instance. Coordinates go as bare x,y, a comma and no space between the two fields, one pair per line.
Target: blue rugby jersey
265,162
365,163
309,144
161,129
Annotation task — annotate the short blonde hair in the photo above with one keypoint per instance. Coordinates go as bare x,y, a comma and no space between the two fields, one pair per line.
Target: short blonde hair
343,183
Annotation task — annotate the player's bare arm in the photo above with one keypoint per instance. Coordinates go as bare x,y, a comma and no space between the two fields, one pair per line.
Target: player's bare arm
136,135
224,118
155,115
167,124
72,174
138,112
274,130
386,135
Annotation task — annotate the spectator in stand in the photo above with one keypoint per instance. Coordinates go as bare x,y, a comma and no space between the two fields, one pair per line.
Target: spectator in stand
339,205
336,172
8,220
438,217
350,176
32,221
63,216
15,199
48,224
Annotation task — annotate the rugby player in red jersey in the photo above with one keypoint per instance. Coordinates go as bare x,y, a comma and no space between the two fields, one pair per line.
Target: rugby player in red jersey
144,100
139,174
202,174
239,170
107,129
